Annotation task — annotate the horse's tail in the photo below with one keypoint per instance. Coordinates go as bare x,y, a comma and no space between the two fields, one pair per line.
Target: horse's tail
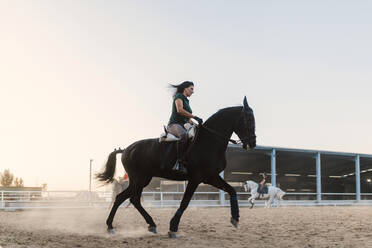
107,175
280,193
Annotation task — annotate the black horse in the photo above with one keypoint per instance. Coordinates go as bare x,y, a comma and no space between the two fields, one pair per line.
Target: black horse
206,159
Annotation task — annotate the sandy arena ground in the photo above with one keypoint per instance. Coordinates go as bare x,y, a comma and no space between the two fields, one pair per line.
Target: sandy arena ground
200,227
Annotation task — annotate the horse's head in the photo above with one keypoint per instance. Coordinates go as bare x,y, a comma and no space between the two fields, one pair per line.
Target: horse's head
248,185
245,127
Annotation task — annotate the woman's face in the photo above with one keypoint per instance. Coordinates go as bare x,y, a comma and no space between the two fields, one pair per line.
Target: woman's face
188,91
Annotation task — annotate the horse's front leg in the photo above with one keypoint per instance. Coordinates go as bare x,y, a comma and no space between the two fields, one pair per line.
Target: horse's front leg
219,183
251,201
175,221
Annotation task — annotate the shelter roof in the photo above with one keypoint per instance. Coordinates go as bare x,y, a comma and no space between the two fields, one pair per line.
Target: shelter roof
242,164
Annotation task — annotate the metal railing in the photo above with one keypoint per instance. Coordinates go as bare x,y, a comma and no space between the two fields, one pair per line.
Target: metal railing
82,199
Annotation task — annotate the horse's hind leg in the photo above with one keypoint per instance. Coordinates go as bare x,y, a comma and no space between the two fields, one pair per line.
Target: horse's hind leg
136,201
269,202
120,198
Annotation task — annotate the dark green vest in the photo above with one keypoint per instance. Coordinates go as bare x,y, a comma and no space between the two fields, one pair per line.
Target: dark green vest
176,118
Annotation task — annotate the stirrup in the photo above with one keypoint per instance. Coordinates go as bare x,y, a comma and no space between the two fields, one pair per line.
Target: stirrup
179,167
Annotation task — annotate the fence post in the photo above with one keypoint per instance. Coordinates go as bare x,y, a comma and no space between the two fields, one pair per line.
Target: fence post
273,170
2,199
318,178
222,193
273,167
357,178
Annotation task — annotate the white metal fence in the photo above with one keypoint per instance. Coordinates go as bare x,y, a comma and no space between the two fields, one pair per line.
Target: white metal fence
10,200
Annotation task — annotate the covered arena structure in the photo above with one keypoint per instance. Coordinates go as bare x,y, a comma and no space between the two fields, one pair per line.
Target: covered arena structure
304,174
311,176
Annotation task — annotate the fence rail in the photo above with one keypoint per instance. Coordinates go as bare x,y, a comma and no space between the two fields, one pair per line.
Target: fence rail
11,200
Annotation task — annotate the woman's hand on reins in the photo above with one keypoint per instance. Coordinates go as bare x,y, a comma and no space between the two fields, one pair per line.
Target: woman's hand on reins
199,120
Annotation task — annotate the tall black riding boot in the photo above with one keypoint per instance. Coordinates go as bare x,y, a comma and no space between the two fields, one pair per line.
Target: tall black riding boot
181,153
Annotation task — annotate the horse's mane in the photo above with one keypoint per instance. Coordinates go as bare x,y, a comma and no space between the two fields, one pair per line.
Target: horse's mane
223,111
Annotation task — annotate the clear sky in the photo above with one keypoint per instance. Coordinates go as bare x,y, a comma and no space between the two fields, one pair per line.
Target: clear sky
79,78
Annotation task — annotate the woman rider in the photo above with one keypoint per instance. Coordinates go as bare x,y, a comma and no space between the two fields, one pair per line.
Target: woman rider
261,185
181,114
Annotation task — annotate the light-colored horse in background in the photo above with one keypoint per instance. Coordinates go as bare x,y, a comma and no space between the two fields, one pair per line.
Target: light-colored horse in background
118,186
273,193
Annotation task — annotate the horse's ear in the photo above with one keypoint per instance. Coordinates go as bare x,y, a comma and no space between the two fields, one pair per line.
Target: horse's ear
245,103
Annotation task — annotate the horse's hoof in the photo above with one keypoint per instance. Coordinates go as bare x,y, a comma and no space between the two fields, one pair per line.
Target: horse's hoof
152,229
172,235
251,207
234,222
110,231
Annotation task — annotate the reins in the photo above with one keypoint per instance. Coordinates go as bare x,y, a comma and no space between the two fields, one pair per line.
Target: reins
214,132
236,142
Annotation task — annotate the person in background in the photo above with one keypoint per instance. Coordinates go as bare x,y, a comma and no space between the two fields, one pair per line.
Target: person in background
261,185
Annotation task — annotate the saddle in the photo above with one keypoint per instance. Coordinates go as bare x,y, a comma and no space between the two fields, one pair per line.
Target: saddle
182,146
168,137
263,190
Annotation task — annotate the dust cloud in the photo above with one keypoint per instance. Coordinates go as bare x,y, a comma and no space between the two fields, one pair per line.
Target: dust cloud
80,221
199,227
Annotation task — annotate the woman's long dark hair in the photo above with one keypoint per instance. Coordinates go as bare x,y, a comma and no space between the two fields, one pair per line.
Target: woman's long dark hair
181,87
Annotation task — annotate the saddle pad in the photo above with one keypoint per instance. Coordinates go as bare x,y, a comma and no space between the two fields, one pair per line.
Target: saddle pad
167,137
